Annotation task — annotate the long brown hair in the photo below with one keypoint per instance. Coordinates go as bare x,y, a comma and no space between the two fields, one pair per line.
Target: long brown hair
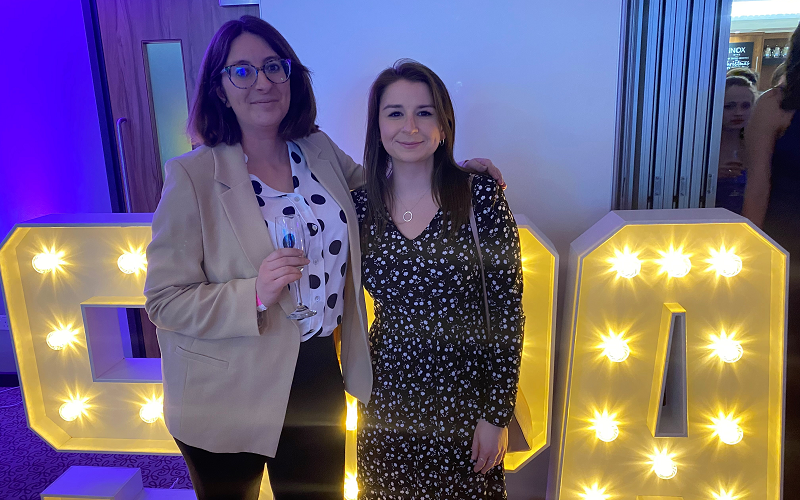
450,185
211,122
791,95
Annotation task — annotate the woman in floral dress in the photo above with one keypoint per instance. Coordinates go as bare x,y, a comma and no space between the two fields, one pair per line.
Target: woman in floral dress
444,386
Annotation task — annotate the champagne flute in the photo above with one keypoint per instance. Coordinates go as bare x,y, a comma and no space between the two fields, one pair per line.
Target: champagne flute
289,233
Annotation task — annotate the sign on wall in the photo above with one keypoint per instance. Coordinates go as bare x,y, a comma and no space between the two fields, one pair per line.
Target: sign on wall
740,55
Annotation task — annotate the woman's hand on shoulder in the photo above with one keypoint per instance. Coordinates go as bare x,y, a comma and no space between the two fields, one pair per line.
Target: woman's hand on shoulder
280,268
483,166
489,446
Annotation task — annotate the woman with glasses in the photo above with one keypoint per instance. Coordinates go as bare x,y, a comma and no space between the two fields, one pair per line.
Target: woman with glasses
250,377
445,381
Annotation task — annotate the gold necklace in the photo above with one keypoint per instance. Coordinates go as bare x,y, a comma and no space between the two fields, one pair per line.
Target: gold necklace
408,215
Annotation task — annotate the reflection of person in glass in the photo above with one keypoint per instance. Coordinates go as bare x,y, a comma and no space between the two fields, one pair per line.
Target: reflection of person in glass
772,201
731,175
444,387
244,385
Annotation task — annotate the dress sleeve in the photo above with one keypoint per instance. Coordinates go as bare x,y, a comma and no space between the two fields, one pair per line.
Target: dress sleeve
500,249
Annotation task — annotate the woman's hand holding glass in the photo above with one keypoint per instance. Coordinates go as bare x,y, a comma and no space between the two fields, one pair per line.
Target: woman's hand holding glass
281,267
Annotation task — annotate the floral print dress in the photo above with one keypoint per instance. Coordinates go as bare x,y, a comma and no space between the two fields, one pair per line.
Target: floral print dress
436,369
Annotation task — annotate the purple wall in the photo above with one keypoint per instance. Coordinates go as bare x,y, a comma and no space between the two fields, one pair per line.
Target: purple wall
51,156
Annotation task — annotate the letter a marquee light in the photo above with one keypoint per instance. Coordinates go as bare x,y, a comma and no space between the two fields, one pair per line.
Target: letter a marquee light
671,384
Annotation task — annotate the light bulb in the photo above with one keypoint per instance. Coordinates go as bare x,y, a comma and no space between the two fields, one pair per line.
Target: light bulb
152,410
724,262
663,465
132,262
725,495
351,422
726,348
72,409
61,338
674,262
47,261
350,487
727,428
605,428
594,493
615,348
625,263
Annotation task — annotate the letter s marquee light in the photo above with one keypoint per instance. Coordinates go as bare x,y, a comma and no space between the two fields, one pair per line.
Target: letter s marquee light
697,404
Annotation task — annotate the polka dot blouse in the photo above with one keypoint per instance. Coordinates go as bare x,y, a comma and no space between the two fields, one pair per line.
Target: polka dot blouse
436,369
322,284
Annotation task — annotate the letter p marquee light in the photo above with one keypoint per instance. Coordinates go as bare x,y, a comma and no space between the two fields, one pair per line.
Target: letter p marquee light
671,380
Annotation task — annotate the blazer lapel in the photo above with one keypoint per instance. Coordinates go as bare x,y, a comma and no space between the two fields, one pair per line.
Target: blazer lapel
243,213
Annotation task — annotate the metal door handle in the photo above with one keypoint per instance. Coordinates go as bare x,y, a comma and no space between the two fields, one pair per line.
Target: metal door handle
123,166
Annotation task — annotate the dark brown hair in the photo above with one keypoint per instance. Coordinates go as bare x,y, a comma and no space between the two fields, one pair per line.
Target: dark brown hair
211,122
791,95
780,71
449,184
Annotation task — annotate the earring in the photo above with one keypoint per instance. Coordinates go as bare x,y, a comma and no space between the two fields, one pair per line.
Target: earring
441,143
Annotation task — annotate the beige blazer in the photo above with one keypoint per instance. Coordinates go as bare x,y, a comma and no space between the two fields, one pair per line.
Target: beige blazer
227,369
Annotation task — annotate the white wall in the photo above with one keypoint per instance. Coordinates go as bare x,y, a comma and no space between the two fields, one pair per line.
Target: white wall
534,84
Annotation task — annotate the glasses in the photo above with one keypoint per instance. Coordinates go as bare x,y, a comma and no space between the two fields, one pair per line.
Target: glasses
244,76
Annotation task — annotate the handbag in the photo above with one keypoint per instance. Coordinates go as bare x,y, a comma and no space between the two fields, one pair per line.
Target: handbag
517,439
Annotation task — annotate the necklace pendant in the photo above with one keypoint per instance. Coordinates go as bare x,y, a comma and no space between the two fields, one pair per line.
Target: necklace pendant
409,215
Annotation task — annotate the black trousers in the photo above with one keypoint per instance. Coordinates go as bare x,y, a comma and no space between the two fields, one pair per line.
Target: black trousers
309,463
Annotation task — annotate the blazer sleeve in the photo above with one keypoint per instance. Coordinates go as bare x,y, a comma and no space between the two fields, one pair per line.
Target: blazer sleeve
500,247
354,174
178,295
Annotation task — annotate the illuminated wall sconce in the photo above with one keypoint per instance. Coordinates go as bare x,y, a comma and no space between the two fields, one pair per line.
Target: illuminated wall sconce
724,262
152,410
674,262
132,262
727,429
605,427
350,486
663,465
726,348
48,261
594,493
73,409
615,347
57,340
626,264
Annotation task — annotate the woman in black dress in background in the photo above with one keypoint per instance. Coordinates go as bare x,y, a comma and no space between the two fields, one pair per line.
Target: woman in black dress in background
444,388
772,202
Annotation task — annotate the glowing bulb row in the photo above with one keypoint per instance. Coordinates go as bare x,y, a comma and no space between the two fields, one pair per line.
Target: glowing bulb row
726,427
675,263
597,493
131,262
150,411
615,347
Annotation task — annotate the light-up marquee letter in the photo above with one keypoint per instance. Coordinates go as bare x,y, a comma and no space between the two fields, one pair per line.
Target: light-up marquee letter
66,278
671,379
